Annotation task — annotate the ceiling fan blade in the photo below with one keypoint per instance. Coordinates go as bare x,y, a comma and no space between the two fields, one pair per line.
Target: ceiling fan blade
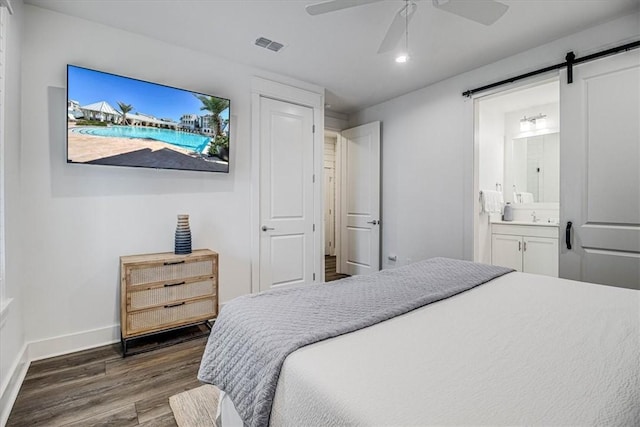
483,11
333,5
397,28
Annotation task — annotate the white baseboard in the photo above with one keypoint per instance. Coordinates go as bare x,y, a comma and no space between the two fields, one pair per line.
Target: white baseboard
12,386
64,344
50,347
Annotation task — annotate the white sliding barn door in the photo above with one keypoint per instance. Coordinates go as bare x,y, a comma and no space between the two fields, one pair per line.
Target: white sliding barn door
286,194
600,171
360,200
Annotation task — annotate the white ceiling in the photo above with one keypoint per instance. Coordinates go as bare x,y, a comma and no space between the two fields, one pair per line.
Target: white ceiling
338,50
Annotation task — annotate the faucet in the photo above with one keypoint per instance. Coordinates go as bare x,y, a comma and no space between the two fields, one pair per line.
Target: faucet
535,218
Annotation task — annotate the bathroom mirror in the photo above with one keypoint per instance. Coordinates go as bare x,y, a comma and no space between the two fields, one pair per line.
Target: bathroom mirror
532,169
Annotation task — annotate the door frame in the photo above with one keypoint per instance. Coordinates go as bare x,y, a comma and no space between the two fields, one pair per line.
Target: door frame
336,189
515,87
337,185
313,97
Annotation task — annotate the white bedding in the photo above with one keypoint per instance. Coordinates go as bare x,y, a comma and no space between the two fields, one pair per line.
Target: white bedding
521,349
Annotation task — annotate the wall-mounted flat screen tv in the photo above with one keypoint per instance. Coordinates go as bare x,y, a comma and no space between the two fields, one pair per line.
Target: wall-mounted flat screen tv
120,121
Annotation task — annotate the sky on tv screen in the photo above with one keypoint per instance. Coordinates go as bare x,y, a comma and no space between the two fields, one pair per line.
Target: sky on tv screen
163,102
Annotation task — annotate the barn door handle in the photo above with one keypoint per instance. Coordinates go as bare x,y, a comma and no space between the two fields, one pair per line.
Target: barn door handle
265,228
567,234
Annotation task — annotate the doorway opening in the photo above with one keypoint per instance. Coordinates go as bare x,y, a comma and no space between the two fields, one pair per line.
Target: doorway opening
331,205
352,199
517,178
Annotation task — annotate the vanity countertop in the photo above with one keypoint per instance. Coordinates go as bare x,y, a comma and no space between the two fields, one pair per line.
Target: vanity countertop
536,224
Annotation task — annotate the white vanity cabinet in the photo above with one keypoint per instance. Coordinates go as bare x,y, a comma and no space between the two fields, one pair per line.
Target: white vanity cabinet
528,248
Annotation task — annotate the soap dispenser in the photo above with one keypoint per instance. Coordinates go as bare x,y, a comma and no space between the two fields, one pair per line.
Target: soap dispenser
508,212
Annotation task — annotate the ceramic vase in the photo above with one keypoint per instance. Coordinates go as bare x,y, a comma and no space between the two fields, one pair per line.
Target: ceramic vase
183,236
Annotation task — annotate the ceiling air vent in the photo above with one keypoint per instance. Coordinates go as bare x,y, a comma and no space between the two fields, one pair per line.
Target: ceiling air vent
269,44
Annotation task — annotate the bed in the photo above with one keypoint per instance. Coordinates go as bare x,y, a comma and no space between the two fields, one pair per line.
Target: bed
518,349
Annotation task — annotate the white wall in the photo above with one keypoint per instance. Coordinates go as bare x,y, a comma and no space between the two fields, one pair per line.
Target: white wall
12,337
78,219
514,142
490,174
427,148
543,211
335,121
491,154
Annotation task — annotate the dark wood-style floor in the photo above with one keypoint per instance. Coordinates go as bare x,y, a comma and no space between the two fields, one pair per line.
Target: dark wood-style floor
99,387
330,269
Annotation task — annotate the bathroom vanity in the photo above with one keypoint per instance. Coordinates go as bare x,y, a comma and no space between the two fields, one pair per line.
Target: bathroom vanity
525,246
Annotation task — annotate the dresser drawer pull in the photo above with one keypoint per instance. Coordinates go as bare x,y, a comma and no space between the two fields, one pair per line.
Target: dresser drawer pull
174,262
175,305
167,285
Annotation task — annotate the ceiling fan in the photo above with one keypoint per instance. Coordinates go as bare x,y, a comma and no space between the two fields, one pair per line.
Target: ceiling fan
482,11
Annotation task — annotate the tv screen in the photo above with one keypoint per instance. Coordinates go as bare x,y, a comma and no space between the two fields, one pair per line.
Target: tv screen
120,121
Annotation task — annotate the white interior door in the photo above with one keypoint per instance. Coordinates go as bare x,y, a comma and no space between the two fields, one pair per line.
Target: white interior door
286,194
360,200
600,171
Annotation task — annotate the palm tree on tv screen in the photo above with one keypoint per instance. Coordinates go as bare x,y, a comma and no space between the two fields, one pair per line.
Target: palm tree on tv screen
215,106
125,108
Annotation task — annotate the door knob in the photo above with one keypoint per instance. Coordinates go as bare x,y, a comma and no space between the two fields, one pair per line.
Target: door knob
374,222
265,228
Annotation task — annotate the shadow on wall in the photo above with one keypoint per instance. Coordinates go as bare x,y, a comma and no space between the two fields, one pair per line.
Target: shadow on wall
80,180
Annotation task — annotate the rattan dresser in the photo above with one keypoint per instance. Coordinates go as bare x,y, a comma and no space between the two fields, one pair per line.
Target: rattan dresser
161,292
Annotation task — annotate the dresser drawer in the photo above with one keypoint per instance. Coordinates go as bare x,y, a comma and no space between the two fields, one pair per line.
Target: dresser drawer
163,291
170,293
169,271
170,315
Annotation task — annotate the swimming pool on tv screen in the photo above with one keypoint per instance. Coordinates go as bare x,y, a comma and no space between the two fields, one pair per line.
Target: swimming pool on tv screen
179,139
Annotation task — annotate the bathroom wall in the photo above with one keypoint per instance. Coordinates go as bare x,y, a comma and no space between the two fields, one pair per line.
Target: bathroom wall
512,132
490,155
543,211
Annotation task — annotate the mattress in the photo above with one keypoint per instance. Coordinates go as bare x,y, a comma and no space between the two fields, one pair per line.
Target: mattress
521,349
